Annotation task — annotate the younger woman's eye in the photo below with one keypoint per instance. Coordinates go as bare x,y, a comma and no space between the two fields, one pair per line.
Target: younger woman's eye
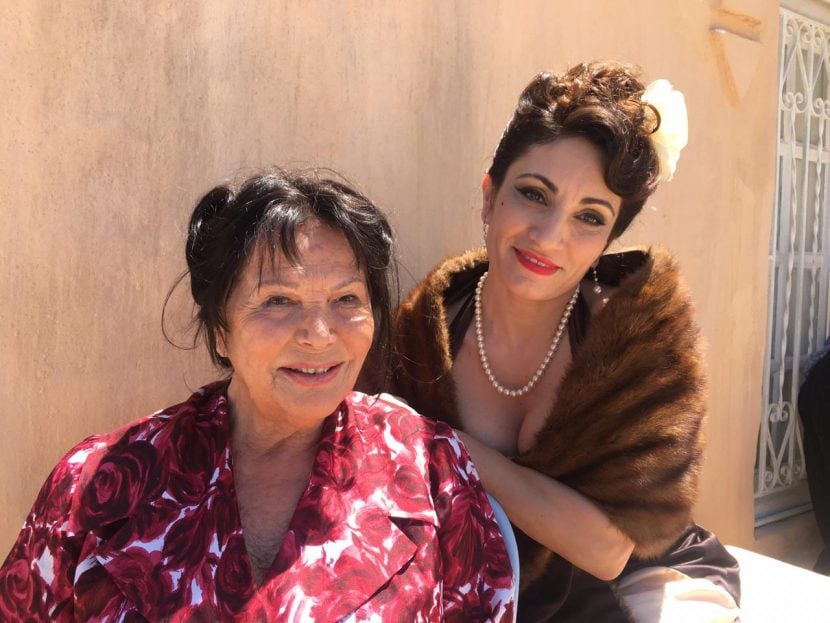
592,219
534,194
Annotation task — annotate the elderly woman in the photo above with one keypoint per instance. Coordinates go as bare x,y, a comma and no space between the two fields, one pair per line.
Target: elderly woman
576,376
276,494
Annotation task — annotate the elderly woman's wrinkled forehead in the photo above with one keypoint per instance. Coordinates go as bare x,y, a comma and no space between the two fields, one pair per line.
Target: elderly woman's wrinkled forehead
315,251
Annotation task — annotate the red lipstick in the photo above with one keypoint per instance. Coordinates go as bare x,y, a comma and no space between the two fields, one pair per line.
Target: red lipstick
535,263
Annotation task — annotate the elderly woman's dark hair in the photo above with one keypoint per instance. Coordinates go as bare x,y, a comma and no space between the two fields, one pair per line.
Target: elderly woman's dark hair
228,226
597,101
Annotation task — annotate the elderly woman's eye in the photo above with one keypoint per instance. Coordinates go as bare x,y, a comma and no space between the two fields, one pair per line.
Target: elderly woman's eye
277,301
534,194
349,299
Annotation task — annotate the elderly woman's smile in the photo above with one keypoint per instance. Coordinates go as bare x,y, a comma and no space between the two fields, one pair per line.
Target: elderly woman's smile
298,333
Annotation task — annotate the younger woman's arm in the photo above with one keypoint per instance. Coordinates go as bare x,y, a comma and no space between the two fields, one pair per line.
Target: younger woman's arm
553,514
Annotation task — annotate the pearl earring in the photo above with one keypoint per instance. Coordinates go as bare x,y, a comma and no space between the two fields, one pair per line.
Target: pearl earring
597,287
484,235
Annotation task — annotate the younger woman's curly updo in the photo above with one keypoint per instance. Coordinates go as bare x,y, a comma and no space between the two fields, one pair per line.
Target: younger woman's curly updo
597,101
231,226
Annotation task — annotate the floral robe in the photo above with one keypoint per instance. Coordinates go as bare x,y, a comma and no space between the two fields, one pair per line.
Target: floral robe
143,523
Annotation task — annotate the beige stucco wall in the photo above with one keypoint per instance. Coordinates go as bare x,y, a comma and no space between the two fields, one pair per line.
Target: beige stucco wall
116,116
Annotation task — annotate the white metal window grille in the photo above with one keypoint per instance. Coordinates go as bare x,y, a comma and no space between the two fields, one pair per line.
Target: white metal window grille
797,321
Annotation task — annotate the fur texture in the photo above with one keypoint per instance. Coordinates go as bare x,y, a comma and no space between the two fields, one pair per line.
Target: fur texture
626,427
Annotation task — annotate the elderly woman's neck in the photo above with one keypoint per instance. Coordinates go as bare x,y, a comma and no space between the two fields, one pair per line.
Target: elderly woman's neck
257,440
256,437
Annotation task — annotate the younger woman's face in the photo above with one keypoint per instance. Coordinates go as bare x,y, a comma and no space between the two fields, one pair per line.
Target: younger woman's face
550,219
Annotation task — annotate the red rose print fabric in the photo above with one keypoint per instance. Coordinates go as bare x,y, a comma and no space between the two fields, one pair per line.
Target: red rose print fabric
143,524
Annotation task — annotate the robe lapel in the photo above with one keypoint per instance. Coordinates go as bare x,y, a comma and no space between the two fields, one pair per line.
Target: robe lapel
330,581
166,555
366,515
161,575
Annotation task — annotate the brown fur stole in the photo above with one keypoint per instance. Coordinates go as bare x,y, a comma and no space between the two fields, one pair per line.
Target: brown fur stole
625,429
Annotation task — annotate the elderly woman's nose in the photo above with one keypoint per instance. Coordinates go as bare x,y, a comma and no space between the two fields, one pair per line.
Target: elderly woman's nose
315,328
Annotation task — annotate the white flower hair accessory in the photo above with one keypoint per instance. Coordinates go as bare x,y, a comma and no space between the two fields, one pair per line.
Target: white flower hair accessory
673,132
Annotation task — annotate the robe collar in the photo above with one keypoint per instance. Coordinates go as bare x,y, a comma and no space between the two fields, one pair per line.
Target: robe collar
130,546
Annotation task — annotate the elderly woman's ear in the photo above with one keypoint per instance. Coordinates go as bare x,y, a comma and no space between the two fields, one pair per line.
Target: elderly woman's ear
221,346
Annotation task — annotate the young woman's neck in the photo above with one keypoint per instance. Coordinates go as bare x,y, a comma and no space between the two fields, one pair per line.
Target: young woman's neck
518,321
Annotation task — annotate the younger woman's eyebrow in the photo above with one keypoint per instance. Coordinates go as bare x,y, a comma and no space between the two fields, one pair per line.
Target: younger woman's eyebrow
552,188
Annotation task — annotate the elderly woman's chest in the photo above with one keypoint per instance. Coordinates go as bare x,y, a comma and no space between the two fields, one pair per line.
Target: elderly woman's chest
319,557
265,514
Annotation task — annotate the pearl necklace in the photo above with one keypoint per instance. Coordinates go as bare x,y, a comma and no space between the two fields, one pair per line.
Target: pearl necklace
485,364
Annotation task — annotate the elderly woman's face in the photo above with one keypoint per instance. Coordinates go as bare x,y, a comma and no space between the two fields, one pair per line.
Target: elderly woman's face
298,335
